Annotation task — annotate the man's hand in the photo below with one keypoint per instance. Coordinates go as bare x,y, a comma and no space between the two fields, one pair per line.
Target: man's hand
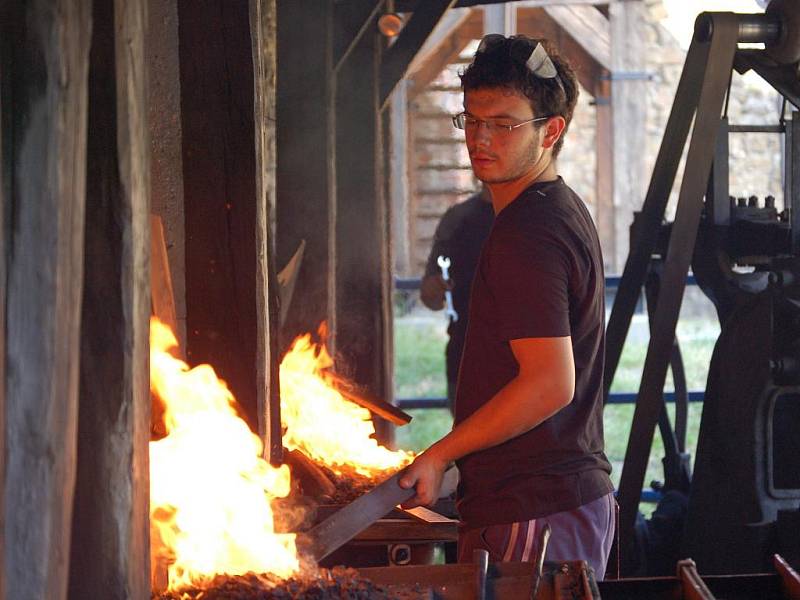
425,474
432,289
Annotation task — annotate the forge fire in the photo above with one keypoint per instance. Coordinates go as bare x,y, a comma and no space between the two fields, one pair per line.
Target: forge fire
211,492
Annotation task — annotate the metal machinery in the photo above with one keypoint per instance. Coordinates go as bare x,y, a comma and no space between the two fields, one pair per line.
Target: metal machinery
742,502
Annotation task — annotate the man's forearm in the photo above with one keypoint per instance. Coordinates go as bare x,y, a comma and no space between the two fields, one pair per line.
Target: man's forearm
516,409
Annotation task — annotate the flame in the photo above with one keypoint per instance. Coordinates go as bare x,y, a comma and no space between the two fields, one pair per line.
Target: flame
322,423
210,490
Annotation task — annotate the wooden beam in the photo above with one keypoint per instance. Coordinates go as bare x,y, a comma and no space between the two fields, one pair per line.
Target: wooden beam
160,277
535,22
305,197
400,54
445,52
110,527
263,23
588,27
45,59
219,176
629,113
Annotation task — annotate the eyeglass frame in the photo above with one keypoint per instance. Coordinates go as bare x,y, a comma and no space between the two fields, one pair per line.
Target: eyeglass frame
490,124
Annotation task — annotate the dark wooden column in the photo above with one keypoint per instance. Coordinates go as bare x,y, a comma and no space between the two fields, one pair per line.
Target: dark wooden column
166,161
363,271
110,537
305,198
5,206
219,182
45,57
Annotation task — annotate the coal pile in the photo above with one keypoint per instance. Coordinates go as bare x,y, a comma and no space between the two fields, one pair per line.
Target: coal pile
339,583
349,483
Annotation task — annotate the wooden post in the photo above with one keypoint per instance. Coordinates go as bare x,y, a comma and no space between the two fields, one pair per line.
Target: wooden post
363,322
263,23
110,541
306,205
45,57
604,174
219,181
628,105
166,161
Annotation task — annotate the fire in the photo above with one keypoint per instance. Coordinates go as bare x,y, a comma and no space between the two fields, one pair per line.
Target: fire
324,425
210,490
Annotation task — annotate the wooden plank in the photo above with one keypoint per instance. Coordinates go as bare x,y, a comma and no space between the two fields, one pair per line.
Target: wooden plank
45,57
263,23
400,54
305,186
220,197
110,532
588,27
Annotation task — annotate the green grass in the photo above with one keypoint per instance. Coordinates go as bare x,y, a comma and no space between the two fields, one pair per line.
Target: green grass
420,337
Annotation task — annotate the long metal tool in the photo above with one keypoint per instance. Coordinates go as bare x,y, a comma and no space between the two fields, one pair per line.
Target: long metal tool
346,523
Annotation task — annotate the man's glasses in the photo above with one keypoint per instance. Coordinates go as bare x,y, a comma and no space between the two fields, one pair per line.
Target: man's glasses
470,124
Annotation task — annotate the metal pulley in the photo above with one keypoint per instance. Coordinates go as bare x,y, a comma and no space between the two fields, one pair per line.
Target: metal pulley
778,28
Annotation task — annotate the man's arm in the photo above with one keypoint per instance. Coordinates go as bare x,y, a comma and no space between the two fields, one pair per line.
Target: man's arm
545,384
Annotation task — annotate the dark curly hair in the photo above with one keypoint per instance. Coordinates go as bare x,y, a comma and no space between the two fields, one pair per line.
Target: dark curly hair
500,65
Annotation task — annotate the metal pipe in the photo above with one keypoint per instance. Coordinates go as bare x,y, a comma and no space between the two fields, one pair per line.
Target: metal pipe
753,28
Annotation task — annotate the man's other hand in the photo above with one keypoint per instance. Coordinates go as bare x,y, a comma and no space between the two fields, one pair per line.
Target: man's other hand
425,475
432,289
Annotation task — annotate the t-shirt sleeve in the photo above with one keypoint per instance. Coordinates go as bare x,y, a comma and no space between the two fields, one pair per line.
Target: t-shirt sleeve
529,279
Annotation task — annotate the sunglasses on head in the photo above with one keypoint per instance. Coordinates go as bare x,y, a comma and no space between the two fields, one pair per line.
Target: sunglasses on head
526,51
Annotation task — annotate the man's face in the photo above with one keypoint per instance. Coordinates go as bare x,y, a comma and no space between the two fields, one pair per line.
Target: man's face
502,156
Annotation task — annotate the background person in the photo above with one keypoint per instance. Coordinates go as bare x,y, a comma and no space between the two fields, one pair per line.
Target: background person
459,236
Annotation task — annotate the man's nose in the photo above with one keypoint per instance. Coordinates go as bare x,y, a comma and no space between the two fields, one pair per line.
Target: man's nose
482,132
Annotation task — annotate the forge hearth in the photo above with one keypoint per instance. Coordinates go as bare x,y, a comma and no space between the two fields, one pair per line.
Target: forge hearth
338,583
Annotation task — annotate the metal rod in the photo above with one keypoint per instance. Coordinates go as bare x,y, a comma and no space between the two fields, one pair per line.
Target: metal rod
753,28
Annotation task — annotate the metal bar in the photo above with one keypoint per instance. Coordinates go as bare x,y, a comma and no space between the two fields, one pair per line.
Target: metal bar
756,128
782,77
789,577
353,22
655,202
399,56
793,199
719,60
614,398
717,202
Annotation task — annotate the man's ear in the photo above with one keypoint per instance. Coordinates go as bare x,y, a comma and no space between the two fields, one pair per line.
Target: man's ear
553,130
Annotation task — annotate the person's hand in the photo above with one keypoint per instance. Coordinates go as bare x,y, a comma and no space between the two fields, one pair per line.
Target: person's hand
432,289
425,475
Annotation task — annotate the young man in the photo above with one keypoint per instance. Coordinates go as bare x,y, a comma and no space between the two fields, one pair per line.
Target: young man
528,433
459,236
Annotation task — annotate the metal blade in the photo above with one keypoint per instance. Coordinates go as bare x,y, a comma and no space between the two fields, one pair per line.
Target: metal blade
346,523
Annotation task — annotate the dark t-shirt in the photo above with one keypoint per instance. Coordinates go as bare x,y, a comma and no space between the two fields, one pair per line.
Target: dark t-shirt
540,275
460,236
